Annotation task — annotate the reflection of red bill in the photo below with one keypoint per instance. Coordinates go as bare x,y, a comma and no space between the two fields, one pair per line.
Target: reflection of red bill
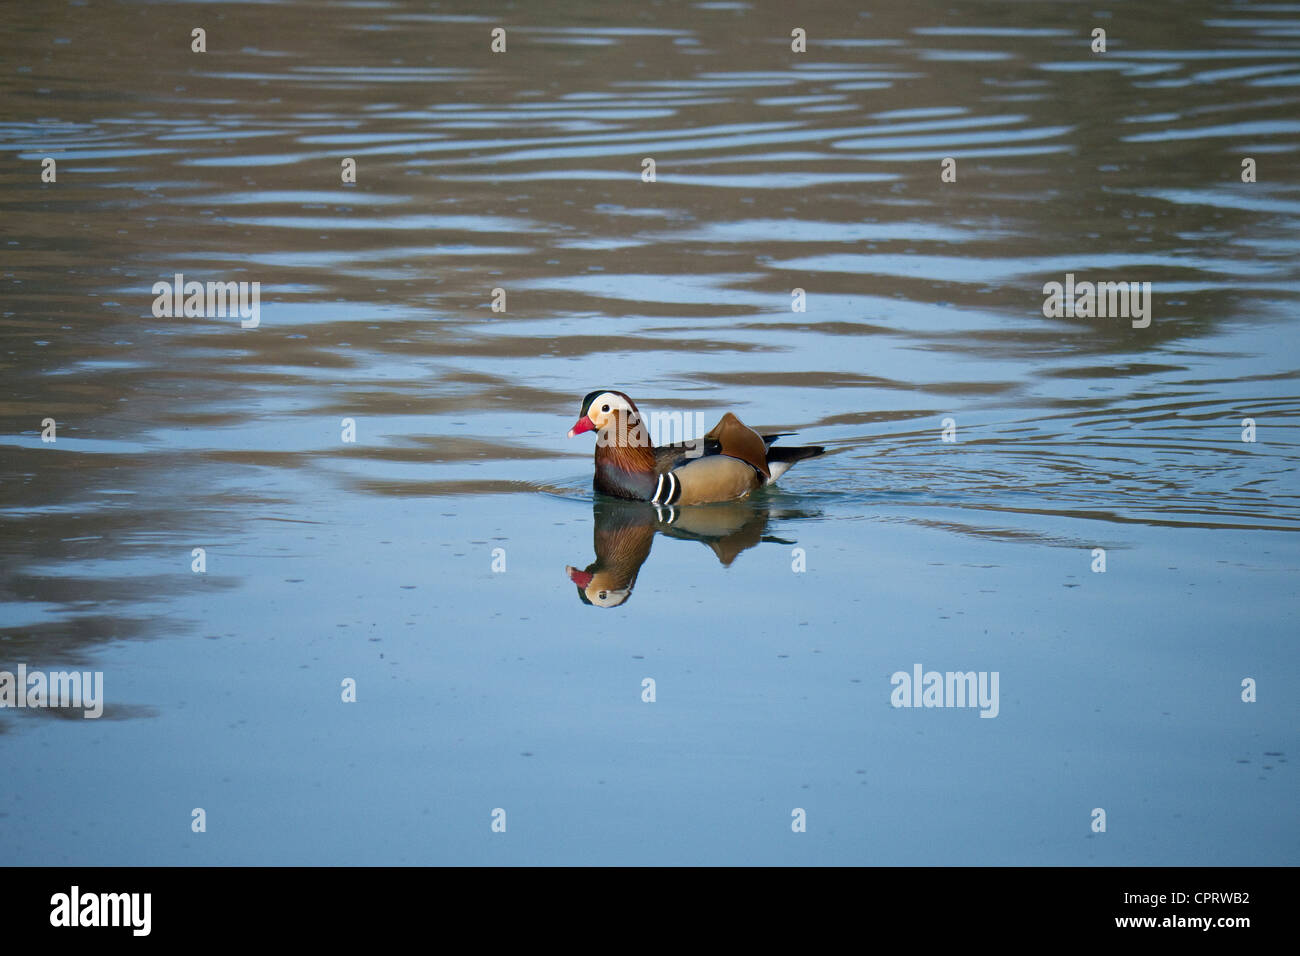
583,424
581,578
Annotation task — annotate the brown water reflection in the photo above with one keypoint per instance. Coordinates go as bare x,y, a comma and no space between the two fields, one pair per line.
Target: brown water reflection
624,533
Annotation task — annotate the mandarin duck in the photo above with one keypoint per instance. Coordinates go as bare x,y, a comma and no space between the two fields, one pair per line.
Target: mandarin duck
729,462
622,536
625,530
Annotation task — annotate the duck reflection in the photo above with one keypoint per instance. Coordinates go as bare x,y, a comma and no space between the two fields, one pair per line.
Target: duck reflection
625,530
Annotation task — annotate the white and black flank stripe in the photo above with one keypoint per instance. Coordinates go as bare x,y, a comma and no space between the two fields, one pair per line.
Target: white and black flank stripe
668,490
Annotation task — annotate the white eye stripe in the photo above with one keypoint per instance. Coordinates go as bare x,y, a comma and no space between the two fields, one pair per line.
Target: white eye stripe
608,401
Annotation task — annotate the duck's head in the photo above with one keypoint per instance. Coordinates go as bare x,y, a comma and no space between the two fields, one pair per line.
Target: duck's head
600,408
600,588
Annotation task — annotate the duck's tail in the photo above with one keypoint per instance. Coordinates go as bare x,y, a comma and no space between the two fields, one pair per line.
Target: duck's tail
781,460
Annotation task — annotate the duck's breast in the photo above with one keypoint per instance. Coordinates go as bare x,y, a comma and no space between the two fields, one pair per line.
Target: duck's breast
610,479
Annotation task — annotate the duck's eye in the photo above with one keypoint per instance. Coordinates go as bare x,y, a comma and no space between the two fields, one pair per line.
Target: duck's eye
604,408
603,595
